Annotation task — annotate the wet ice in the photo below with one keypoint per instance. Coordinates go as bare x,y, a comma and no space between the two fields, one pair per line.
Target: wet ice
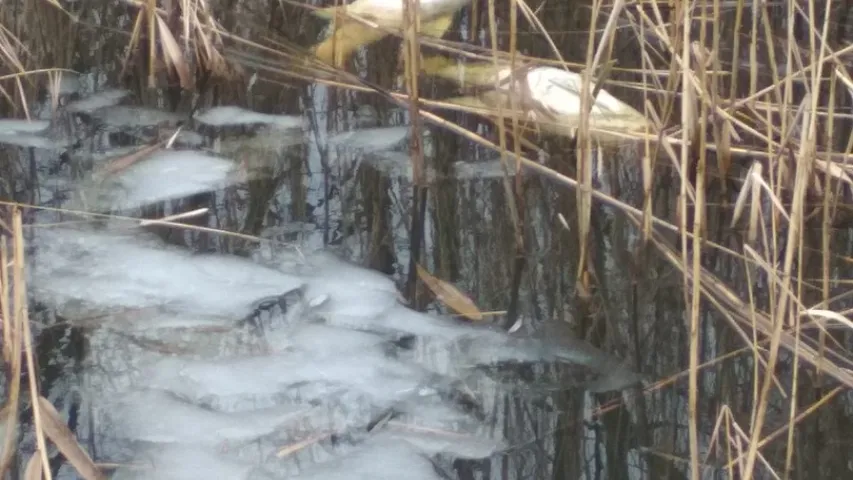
326,363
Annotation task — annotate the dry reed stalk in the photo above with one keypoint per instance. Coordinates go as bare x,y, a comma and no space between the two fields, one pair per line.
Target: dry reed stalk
22,321
770,116
11,358
411,59
17,340
696,120
501,124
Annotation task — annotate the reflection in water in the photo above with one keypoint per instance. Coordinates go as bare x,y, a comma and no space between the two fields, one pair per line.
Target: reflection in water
179,358
292,361
549,96
351,31
296,361
231,115
167,175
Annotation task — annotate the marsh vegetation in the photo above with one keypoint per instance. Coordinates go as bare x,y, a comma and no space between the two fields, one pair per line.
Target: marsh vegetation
248,239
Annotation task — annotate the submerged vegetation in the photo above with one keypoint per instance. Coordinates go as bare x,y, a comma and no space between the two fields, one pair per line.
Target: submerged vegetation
678,197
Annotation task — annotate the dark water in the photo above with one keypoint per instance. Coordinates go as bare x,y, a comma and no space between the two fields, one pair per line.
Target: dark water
188,353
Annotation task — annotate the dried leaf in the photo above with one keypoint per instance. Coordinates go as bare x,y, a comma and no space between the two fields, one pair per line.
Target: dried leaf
151,11
743,194
33,470
829,315
9,427
173,56
835,170
133,42
648,180
754,210
450,295
59,433
120,164
780,208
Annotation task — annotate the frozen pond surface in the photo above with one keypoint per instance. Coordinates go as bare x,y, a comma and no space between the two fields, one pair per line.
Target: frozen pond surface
266,371
284,362
180,374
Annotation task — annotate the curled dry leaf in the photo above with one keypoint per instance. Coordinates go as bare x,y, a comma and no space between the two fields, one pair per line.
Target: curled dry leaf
743,194
835,170
827,315
172,55
59,433
450,295
755,207
34,469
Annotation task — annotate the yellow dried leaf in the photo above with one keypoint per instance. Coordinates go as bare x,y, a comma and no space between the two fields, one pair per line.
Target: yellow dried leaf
34,469
173,56
450,295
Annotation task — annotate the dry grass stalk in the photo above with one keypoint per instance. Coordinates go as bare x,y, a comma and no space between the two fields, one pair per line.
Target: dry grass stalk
22,327
59,433
10,49
692,125
778,132
11,358
17,340
512,204
118,165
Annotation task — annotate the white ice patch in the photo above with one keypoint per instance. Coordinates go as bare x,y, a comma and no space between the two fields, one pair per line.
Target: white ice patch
111,271
233,115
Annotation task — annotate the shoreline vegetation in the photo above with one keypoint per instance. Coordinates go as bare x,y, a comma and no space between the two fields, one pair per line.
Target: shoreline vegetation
702,149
